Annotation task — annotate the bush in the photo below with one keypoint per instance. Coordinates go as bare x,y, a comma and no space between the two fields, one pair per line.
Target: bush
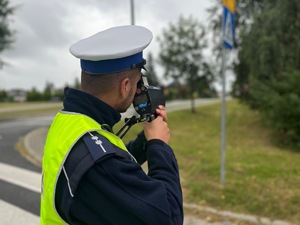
280,102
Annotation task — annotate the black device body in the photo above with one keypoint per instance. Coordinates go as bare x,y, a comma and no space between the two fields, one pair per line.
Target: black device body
147,99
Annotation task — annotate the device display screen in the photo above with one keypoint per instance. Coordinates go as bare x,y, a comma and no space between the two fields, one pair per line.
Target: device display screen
140,98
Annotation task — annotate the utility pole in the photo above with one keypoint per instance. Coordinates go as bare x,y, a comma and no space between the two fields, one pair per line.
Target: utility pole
132,11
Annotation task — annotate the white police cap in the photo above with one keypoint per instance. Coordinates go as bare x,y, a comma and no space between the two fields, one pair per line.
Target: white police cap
112,50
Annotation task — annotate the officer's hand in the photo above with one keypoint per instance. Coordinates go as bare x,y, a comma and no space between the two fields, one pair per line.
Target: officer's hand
161,111
157,129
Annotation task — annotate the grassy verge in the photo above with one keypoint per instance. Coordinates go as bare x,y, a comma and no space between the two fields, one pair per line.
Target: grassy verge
28,109
261,178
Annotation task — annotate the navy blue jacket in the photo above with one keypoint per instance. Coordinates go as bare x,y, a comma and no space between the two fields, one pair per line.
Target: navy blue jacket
117,190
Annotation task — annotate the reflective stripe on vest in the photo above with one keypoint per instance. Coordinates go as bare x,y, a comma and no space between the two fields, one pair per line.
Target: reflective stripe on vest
65,131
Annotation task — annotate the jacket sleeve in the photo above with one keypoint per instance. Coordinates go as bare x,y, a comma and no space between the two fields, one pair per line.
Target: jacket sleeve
137,148
117,191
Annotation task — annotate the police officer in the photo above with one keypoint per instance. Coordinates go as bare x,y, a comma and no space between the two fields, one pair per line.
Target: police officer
89,175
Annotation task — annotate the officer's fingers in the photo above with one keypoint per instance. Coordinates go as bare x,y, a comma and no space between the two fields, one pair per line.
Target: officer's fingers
161,107
157,129
159,119
163,113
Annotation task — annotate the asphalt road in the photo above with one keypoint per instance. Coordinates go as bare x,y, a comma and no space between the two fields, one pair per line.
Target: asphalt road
13,197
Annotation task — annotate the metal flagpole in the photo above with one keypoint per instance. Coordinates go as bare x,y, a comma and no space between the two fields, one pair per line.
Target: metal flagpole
132,11
227,43
223,118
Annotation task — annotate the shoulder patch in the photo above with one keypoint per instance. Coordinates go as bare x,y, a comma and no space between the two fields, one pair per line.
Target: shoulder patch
98,145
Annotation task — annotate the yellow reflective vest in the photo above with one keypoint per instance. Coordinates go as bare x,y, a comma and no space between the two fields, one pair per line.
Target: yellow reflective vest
66,129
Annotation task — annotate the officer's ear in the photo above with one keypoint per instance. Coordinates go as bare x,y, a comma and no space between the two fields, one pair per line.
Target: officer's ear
124,87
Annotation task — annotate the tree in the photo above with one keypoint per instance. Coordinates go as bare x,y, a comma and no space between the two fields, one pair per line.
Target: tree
151,73
270,63
181,54
245,12
34,95
6,34
272,46
76,83
3,95
48,91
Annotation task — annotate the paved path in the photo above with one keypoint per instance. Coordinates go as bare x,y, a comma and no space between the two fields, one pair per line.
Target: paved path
29,106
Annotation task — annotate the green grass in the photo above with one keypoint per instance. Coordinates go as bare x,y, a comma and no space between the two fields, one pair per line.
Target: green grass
28,109
262,178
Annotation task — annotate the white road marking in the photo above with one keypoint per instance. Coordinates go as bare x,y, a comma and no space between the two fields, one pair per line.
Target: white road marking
13,215
21,177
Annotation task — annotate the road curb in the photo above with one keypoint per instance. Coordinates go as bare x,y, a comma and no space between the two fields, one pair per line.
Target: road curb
34,144
235,216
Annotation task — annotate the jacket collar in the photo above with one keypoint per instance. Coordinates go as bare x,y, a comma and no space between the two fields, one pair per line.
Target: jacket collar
84,103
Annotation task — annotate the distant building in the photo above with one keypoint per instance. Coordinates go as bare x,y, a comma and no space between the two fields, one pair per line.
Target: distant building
17,95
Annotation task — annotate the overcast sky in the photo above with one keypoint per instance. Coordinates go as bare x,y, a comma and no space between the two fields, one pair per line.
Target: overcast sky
46,29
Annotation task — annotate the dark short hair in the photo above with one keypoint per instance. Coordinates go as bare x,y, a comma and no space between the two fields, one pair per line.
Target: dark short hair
104,83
